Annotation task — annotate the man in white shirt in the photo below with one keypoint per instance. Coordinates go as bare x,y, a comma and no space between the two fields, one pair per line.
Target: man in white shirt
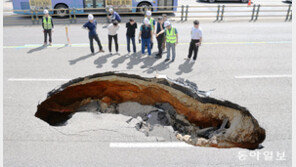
112,33
196,39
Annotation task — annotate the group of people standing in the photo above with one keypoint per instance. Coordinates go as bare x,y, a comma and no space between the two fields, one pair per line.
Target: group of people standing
162,29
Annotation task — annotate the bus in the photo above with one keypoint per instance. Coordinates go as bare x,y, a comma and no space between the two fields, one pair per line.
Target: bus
86,6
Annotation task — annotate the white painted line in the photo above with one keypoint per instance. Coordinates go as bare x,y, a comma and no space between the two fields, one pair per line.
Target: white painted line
150,145
263,76
37,79
181,43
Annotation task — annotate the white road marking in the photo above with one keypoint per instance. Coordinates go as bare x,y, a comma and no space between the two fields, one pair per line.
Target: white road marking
181,43
37,79
150,145
263,76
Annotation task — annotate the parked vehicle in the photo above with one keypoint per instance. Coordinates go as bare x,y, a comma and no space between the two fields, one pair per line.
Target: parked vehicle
87,6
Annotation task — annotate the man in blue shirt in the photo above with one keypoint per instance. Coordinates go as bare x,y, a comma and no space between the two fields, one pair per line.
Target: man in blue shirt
91,25
113,16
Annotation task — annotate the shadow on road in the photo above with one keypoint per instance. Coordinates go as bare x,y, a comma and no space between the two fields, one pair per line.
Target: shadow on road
119,60
148,61
102,60
137,58
37,49
134,60
66,45
186,67
74,61
159,67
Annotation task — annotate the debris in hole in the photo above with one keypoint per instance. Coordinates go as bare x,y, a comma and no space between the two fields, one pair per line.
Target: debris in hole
92,106
201,121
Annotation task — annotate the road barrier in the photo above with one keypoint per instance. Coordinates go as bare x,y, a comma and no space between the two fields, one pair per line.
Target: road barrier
288,14
186,12
222,12
257,13
219,12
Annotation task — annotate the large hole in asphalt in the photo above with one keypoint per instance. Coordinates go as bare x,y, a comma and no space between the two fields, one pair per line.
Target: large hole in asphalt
153,103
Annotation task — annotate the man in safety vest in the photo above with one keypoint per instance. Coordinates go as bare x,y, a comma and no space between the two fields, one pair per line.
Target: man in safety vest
171,35
152,23
47,25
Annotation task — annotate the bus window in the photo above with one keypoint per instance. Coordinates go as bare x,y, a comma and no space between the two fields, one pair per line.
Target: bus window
99,4
88,3
164,3
94,4
120,5
40,4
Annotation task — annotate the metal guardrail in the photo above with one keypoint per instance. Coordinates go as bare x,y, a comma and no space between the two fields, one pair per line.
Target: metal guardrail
253,12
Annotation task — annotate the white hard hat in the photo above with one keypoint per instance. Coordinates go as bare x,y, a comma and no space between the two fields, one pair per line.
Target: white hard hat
167,23
110,10
146,21
148,13
90,17
45,11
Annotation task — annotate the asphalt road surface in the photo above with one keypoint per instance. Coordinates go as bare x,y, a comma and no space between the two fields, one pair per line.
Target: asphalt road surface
247,63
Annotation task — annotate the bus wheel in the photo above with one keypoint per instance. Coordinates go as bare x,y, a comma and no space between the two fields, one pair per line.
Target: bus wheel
62,10
142,6
212,1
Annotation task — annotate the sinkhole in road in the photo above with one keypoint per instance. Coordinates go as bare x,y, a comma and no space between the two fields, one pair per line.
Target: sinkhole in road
156,102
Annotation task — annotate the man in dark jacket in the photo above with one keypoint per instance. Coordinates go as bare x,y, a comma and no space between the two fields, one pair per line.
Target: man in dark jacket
131,27
91,25
160,38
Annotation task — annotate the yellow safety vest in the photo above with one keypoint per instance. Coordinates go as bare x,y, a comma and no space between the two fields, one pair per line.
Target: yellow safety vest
47,23
171,37
151,22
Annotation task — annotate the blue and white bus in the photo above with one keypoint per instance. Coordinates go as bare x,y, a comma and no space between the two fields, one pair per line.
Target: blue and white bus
82,6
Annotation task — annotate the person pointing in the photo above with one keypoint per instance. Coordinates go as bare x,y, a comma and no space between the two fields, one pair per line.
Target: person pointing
171,35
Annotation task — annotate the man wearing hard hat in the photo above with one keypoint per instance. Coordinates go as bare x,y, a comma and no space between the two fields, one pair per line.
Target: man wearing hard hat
113,16
47,25
171,35
91,25
146,36
152,23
